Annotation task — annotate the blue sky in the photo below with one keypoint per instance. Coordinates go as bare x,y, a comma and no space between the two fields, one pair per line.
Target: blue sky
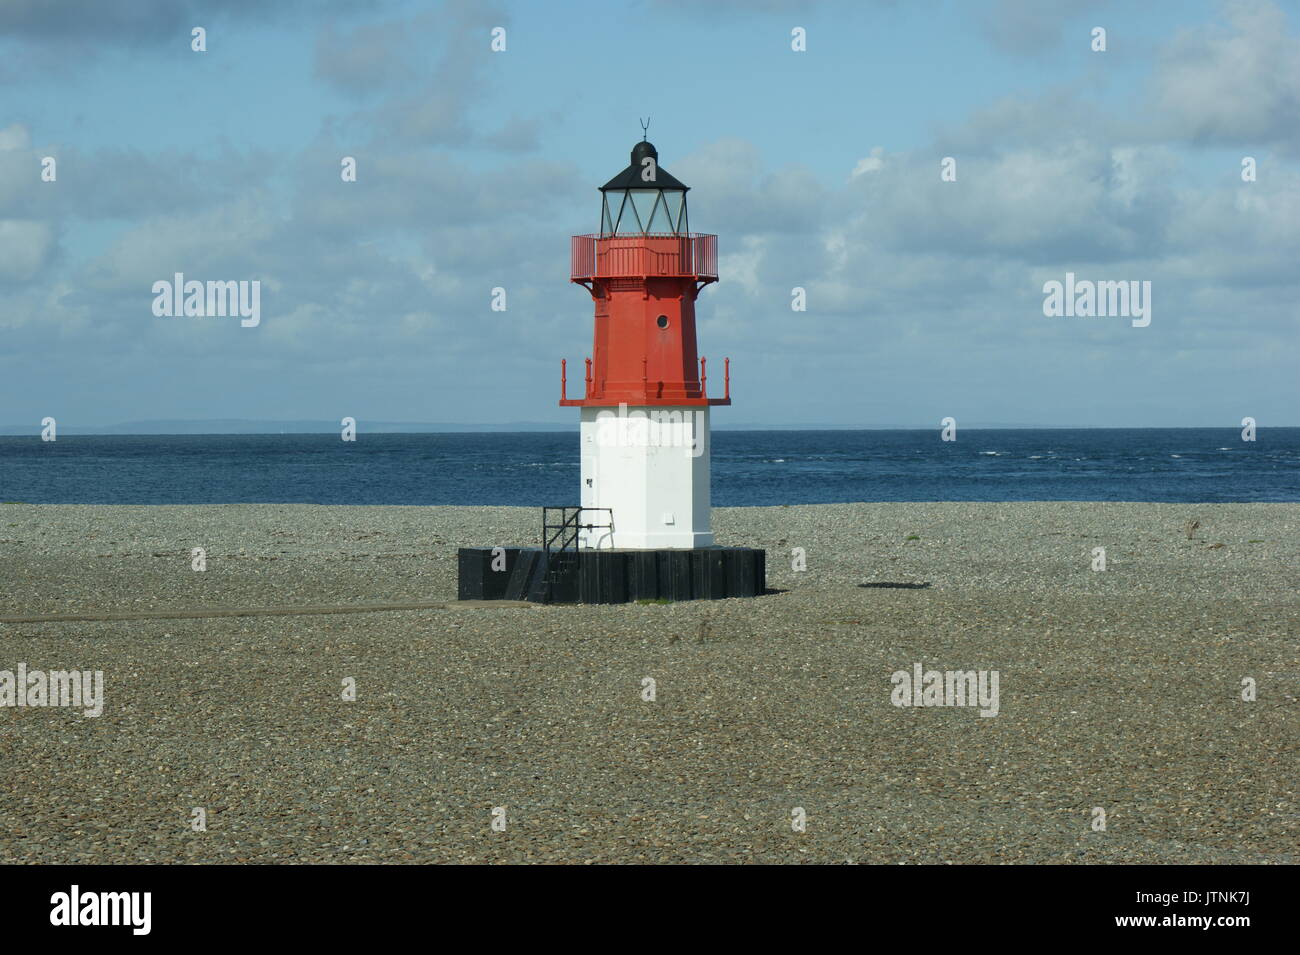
818,169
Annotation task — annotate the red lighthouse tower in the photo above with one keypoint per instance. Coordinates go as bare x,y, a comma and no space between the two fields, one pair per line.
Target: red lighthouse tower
645,405
644,270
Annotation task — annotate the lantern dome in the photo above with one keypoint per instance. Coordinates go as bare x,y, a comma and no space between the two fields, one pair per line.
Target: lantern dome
643,199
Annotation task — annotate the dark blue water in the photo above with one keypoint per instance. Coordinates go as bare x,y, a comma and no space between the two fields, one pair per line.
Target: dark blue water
749,467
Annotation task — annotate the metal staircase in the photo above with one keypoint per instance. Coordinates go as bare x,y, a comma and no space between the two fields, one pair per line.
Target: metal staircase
556,575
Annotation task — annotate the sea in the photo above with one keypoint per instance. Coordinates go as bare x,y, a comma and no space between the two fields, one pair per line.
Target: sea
749,468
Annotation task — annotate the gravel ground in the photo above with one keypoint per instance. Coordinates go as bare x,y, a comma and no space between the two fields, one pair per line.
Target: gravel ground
1119,690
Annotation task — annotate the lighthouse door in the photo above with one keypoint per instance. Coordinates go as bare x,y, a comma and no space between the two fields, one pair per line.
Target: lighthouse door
590,479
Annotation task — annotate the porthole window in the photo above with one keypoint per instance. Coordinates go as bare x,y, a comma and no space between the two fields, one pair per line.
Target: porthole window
662,321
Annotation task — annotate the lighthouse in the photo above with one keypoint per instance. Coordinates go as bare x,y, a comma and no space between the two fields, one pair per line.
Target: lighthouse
641,529
644,432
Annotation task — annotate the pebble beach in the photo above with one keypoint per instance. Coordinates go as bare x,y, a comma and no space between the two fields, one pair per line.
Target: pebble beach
1120,690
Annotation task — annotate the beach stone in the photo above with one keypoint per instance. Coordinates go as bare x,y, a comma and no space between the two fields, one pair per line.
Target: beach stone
1119,690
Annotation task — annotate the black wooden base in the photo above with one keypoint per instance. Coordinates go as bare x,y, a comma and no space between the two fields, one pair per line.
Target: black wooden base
611,576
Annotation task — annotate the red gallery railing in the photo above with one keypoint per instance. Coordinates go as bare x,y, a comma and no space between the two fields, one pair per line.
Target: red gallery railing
691,254
704,380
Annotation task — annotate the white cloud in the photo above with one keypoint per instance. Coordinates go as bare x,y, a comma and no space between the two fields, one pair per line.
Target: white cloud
15,136
24,248
870,163
1236,86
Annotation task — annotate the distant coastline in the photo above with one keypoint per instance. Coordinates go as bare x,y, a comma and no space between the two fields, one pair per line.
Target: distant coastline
238,426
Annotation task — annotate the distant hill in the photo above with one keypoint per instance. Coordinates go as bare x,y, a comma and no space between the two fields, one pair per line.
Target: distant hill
248,426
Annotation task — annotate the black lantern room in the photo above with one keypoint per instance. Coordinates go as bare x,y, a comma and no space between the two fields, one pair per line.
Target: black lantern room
644,199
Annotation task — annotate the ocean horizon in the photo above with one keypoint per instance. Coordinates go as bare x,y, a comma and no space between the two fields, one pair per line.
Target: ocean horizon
749,467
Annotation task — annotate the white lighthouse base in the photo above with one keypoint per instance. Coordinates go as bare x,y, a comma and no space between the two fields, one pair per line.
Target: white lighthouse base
650,466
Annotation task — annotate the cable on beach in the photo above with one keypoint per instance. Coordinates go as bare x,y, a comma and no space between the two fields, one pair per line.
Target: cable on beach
290,611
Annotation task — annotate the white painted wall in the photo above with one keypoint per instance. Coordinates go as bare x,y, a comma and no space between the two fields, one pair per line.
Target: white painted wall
651,466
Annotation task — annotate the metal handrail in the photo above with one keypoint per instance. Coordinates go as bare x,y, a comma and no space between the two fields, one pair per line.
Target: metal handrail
647,235
704,379
672,254
570,520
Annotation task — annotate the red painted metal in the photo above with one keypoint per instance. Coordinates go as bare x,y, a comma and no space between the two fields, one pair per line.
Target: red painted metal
644,289
617,256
